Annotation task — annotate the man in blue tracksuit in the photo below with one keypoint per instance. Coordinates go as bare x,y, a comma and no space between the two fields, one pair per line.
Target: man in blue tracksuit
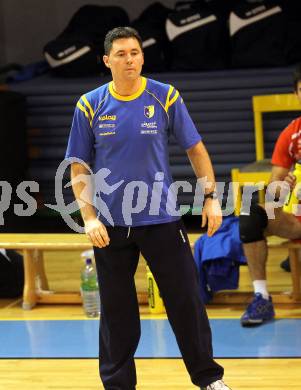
121,131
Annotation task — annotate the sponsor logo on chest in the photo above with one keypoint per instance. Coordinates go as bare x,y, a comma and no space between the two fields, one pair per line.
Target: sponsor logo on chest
107,117
108,128
149,128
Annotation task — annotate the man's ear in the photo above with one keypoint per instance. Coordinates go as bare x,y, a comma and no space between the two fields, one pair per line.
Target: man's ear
106,61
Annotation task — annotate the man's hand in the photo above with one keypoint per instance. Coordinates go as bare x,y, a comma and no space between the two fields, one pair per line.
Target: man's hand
97,233
291,180
213,214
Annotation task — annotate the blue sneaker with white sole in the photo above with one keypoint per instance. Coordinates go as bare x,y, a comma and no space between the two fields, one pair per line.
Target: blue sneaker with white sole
258,311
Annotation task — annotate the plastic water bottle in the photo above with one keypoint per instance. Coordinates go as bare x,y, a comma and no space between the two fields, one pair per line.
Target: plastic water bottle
89,289
294,199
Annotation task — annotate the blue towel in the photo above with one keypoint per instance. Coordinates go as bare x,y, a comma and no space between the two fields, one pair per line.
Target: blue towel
218,259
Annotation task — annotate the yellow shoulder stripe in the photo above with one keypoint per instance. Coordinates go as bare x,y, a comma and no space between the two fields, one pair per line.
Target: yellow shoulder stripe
171,102
85,100
171,88
82,108
101,103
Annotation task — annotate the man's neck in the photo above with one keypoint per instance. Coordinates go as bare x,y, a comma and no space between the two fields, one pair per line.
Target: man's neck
127,88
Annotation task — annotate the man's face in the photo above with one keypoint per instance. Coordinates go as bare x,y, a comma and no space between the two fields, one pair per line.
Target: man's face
125,59
298,91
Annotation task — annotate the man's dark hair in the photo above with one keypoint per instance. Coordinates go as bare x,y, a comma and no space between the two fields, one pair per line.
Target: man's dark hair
119,33
297,77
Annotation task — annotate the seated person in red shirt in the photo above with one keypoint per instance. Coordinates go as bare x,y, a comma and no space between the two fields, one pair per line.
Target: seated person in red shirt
255,226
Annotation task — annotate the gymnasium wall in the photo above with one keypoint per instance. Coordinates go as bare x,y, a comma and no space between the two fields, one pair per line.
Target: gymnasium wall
25,26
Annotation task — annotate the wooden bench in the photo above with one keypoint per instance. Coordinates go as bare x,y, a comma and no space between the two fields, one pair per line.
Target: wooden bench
36,289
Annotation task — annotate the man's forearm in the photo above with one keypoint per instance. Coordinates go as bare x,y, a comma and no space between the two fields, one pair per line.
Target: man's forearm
201,164
278,174
82,190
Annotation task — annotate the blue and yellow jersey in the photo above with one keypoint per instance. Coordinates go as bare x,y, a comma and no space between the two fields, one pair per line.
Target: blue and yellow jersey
128,135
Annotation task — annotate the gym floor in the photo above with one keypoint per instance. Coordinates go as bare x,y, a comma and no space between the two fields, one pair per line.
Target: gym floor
56,346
